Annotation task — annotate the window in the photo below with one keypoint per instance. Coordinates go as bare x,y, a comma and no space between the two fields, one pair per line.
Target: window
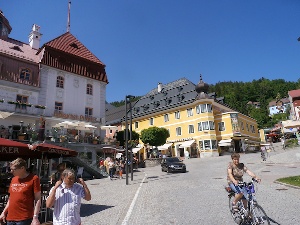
89,89
60,82
178,131
203,108
88,111
25,74
208,144
205,125
221,126
189,112
247,126
110,131
136,125
191,129
58,106
151,121
209,108
177,115
21,99
211,125
242,125
166,117
198,110
214,144
201,145
199,126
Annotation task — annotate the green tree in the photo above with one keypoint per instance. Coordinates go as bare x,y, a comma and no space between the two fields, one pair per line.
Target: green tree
121,137
154,136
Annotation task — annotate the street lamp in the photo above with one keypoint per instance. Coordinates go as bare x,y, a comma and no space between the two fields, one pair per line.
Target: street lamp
127,99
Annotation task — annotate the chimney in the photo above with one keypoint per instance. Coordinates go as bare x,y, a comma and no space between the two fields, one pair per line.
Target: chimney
35,37
159,87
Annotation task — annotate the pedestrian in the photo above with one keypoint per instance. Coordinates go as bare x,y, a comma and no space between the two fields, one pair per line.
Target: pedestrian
24,203
283,142
58,174
111,166
263,153
65,198
121,169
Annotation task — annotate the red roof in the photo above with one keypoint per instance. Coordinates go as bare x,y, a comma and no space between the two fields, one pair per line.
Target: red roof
294,93
69,44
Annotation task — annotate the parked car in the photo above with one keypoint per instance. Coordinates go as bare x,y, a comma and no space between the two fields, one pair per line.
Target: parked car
172,164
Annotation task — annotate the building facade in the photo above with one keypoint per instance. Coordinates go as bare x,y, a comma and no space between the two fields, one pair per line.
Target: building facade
41,88
198,122
294,98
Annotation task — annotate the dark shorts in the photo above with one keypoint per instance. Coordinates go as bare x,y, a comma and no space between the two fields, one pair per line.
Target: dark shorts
22,222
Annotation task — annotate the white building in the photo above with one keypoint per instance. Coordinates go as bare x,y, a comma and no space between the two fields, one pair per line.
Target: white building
61,80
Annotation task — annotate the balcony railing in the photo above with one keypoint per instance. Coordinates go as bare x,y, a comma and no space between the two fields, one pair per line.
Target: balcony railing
12,77
21,108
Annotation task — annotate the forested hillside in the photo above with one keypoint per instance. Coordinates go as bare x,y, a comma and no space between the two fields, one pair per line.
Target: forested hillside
238,94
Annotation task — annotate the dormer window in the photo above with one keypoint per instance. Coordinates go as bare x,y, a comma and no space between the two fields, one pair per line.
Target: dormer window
74,45
137,109
25,74
180,88
151,97
156,104
17,48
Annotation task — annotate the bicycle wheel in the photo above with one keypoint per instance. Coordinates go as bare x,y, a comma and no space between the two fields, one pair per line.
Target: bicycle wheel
259,216
235,215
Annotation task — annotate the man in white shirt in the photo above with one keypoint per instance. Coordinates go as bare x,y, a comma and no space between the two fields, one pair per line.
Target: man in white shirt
66,196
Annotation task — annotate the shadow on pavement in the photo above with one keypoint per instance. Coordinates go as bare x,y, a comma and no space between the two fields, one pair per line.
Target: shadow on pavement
90,209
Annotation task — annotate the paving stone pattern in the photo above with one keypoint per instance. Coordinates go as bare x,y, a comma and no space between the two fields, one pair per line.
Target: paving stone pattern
195,197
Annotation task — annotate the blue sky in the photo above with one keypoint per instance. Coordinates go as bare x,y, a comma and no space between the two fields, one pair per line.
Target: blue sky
144,42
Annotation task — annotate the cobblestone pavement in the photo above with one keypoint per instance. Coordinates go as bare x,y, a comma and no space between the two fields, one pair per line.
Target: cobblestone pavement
196,197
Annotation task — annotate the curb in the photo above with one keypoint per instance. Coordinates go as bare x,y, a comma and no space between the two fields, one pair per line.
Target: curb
288,185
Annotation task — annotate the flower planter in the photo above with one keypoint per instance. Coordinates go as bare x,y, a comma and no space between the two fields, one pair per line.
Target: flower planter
95,142
21,137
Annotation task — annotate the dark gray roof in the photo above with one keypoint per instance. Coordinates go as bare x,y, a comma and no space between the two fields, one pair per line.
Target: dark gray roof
114,115
173,94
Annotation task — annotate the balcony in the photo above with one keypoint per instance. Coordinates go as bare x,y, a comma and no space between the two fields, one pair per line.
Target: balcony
12,77
22,108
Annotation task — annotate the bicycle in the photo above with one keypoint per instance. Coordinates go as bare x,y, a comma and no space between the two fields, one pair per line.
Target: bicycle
253,213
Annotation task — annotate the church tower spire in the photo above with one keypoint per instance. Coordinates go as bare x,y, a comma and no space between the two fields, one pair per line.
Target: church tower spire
69,12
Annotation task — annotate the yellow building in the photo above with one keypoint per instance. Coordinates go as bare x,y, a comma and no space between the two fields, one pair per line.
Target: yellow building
198,122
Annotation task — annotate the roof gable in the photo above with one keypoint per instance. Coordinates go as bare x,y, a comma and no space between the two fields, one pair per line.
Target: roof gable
69,44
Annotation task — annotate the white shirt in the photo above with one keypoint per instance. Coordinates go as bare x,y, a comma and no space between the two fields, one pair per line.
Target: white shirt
67,204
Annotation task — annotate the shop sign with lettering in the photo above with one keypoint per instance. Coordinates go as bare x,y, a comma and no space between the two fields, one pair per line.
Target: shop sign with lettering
57,151
9,150
74,117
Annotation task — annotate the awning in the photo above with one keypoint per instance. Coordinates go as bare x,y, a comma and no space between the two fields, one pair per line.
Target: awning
224,143
164,147
137,148
187,144
4,115
54,151
291,123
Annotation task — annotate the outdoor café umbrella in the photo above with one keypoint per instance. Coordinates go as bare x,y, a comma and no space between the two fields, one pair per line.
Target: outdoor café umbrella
53,151
292,124
10,150
4,115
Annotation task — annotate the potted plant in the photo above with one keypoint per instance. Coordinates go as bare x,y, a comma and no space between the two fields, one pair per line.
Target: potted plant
11,102
1,100
40,106
21,136
95,140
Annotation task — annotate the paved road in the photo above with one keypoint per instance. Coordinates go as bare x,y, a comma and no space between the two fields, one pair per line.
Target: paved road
196,197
